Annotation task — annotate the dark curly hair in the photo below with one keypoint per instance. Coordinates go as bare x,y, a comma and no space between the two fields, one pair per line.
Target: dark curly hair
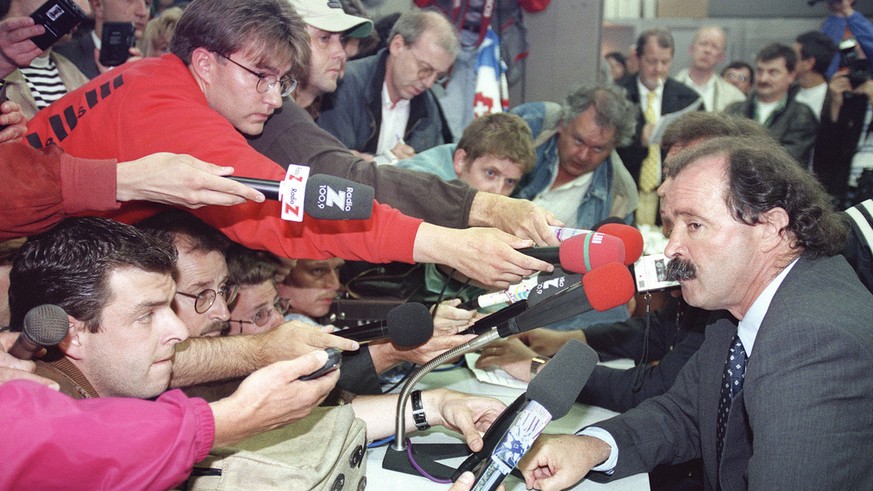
762,176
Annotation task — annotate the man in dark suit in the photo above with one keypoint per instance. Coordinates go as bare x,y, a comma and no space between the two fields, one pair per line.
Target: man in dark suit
779,394
656,94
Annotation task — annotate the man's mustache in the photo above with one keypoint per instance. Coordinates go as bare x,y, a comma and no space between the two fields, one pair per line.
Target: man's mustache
681,269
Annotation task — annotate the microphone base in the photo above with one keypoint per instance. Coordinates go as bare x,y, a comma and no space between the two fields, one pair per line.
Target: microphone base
426,456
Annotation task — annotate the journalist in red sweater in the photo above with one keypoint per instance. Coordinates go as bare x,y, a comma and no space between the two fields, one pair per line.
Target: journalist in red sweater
230,65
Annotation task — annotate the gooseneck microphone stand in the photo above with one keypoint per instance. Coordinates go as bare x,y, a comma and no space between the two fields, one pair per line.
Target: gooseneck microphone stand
396,457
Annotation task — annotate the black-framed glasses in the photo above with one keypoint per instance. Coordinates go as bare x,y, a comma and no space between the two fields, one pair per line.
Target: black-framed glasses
425,70
204,300
266,81
261,317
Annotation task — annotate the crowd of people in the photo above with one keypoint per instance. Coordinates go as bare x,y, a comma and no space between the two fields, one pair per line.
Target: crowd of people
195,311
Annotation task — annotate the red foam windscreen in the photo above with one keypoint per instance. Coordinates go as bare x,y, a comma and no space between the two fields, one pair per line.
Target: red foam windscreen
630,236
608,286
582,253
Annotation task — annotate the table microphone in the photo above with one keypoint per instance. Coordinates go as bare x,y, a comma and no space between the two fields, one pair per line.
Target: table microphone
44,325
407,325
550,395
326,197
581,253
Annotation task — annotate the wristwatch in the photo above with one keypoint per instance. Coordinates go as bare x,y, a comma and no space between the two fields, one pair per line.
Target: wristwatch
536,363
418,411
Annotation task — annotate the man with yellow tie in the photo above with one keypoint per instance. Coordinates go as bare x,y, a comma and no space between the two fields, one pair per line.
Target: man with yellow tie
656,94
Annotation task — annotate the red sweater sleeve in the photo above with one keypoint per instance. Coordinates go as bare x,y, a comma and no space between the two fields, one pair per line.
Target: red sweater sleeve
42,187
51,441
154,105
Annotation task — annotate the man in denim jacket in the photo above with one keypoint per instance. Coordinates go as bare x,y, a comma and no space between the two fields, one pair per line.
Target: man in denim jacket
577,175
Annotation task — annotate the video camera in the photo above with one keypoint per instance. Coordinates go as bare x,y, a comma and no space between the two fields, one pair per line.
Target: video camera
859,68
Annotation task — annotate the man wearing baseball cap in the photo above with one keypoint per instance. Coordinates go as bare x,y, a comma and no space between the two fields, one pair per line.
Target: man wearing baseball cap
328,26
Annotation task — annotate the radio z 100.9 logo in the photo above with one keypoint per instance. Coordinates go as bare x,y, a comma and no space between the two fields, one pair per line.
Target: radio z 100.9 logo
328,196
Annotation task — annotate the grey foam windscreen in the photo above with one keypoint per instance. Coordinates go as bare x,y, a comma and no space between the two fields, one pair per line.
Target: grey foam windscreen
561,380
47,325
409,324
335,198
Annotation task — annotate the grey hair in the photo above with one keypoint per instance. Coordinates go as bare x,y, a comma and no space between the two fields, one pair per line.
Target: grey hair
413,23
611,105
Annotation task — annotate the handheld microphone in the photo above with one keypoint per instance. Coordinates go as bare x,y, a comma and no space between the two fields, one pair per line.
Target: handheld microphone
44,325
326,197
581,253
604,288
407,325
555,284
518,291
548,397
630,237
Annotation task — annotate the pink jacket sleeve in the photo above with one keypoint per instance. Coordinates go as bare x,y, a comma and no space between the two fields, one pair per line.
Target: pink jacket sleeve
53,441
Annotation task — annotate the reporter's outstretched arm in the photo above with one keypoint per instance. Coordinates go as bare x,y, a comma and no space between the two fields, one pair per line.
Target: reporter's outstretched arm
519,217
272,397
485,254
182,180
201,360
466,414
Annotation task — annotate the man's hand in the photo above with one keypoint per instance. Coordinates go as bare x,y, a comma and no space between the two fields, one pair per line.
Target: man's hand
510,355
272,397
558,462
484,254
16,48
449,319
385,355
466,414
547,342
403,151
14,120
295,338
518,217
180,180
12,368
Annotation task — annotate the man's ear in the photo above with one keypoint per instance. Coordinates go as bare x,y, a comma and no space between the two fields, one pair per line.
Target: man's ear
203,64
395,44
77,338
459,161
774,231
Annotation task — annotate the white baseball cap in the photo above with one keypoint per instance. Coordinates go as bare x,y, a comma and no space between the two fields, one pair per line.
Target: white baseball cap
328,15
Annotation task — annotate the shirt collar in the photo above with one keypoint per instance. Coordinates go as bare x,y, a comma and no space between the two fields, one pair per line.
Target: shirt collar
751,323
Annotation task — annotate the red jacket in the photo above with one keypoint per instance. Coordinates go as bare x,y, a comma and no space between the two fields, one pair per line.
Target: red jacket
155,105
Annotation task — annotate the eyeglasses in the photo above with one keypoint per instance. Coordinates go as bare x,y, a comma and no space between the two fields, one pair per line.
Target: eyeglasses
204,300
267,81
425,70
261,317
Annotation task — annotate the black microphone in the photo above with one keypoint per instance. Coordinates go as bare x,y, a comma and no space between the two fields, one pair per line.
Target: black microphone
326,198
551,285
407,325
605,287
44,325
550,395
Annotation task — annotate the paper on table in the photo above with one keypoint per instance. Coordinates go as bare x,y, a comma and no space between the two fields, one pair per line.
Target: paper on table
667,119
495,376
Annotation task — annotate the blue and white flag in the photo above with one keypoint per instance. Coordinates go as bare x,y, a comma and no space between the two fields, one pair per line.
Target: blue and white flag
492,91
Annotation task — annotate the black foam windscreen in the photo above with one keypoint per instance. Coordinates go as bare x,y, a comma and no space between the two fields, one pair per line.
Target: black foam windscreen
409,324
335,198
561,380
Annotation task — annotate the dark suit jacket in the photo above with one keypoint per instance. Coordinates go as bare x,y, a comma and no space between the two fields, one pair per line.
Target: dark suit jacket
803,419
676,96
80,50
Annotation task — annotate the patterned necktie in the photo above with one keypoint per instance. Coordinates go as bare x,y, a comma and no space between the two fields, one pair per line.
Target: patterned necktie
731,384
650,175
